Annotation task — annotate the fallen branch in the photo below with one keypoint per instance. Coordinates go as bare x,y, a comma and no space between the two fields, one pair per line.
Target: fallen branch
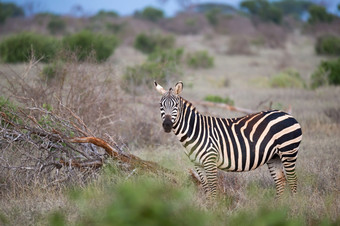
132,160
224,106
195,177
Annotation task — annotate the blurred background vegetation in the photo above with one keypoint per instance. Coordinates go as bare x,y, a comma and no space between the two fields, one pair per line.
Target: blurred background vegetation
99,69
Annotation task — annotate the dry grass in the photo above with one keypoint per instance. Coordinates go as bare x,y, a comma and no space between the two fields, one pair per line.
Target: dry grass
93,91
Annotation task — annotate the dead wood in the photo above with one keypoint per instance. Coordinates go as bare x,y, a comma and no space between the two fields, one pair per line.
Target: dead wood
132,160
195,177
46,150
224,106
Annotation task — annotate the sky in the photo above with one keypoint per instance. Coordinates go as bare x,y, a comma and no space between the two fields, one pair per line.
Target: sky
90,7
123,7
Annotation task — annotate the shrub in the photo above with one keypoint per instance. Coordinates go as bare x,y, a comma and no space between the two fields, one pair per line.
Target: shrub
145,74
150,13
102,14
8,108
52,71
56,25
212,15
9,10
200,59
84,42
239,45
167,56
319,78
149,43
328,72
263,9
319,14
115,27
20,47
287,79
264,216
328,44
140,202
161,66
218,99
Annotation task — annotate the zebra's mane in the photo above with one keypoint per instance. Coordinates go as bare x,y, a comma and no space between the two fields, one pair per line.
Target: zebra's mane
188,104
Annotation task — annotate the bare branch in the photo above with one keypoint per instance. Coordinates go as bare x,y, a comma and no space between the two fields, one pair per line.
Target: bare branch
224,106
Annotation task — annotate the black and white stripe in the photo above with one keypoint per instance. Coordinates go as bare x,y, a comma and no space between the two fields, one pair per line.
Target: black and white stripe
239,144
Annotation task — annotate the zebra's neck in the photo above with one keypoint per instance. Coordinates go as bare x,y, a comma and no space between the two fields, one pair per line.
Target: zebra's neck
189,124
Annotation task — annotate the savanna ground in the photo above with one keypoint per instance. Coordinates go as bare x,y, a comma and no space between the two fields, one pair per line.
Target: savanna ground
118,197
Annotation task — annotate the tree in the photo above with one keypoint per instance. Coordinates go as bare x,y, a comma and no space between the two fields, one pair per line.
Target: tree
150,13
9,10
319,14
263,9
293,7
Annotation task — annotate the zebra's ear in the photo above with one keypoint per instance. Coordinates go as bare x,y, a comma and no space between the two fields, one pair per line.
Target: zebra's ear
159,88
178,87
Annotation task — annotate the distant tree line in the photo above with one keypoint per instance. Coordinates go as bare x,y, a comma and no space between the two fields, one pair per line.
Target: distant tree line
276,10
9,10
265,10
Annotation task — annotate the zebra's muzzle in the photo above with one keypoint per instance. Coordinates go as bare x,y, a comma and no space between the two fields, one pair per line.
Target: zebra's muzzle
167,124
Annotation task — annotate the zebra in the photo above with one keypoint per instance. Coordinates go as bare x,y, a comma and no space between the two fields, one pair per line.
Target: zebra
233,144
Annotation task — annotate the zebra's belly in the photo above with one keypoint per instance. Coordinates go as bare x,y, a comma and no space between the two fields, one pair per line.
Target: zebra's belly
241,161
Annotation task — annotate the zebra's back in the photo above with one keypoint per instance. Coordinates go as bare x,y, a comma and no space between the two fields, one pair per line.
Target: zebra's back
248,142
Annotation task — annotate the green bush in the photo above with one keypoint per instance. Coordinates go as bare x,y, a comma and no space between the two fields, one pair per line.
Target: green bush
115,27
56,25
103,14
264,216
328,44
160,66
167,56
200,59
319,14
212,15
150,13
218,99
84,42
287,79
145,74
52,71
149,43
328,72
142,202
20,47
9,10
263,9
8,108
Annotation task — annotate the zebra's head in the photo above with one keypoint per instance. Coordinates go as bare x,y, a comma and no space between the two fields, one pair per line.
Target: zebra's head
169,105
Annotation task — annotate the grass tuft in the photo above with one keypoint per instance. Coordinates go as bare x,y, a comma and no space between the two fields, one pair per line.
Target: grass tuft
287,79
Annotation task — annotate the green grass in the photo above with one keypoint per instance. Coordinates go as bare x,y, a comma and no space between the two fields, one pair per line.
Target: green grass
287,79
243,198
218,99
145,199
137,201
200,59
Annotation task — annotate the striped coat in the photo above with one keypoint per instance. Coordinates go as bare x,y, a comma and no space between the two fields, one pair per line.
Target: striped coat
239,144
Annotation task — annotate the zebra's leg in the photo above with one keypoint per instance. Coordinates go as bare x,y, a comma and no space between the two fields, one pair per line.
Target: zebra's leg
210,168
203,177
288,159
276,171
